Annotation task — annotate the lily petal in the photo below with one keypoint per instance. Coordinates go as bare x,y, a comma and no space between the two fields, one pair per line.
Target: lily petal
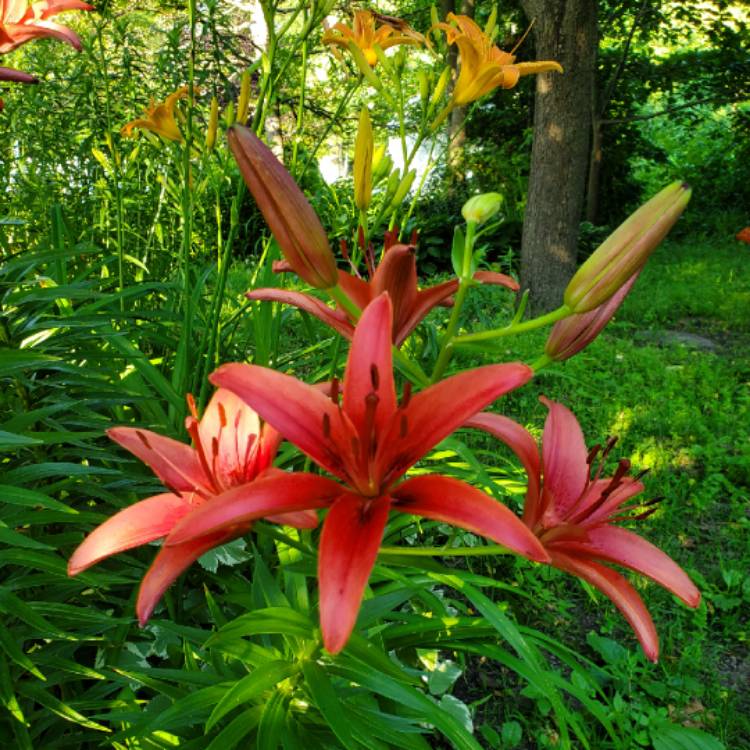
169,564
453,501
437,411
301,519
176,464
300,412
616,588
625,548
623,595
498,279
369,369
424,301
524,446
564,455
272,495
138,524
349,544
333,318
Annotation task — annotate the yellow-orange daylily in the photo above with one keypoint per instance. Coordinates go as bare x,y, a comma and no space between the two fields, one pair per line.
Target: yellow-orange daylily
366,35
484,66
159,117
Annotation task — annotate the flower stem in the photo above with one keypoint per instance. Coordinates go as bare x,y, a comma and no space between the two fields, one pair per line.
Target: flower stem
513,329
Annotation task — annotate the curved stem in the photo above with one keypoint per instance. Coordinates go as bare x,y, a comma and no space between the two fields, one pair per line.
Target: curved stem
512,330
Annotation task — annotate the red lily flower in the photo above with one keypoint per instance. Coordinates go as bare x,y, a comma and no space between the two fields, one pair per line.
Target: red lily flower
21,22
231,451
367,440
395,274
573,515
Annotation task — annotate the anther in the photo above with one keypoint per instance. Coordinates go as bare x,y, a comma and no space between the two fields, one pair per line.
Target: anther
191,405
405,396
222,415
403,426
374,377
593,454
214,447
335,390
326,426
143,439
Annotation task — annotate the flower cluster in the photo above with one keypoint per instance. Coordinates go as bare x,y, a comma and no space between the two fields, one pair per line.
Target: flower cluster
361,434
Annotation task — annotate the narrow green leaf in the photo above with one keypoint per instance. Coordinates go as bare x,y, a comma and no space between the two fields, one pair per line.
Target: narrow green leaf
328,702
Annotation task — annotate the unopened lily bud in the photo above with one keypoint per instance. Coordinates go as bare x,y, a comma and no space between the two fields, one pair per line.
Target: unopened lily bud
213,124
289,215
363,151
244,99
491,22
440,86
570,335
381,163
424,85
394,180
229,117
626,250
481,208
403,187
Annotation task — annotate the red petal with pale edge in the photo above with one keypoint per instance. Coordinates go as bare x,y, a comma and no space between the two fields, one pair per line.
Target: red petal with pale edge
625,548
334,318
524,446
169,563
616,588
267,496
141,523
176,464
436,412
349,544
369,369
453,501
297,410
564,457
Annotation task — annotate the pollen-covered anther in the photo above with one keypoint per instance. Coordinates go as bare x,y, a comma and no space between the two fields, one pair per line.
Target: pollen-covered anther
374,377
222,414
335,390
326,426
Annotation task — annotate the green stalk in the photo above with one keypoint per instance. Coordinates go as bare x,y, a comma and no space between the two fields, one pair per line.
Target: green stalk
116,170
512,330
464,282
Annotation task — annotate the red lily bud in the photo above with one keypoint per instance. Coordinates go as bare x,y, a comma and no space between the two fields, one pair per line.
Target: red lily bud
291,218
626,250
571,335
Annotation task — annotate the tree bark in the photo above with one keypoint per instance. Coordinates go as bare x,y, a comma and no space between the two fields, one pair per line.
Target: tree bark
566,31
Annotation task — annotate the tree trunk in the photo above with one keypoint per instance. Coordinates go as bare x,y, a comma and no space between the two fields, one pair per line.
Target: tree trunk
456,134
566,31
595,171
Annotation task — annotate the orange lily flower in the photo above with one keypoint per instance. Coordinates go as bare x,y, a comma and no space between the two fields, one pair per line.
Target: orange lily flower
159,117
484,66
366,35
20,23
575,516
232,452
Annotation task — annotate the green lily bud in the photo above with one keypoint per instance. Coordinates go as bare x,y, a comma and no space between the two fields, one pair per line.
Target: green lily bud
481,208
626,250
244,99
363,151
440,86
424,85
213,124
403,187
289,215
381,164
